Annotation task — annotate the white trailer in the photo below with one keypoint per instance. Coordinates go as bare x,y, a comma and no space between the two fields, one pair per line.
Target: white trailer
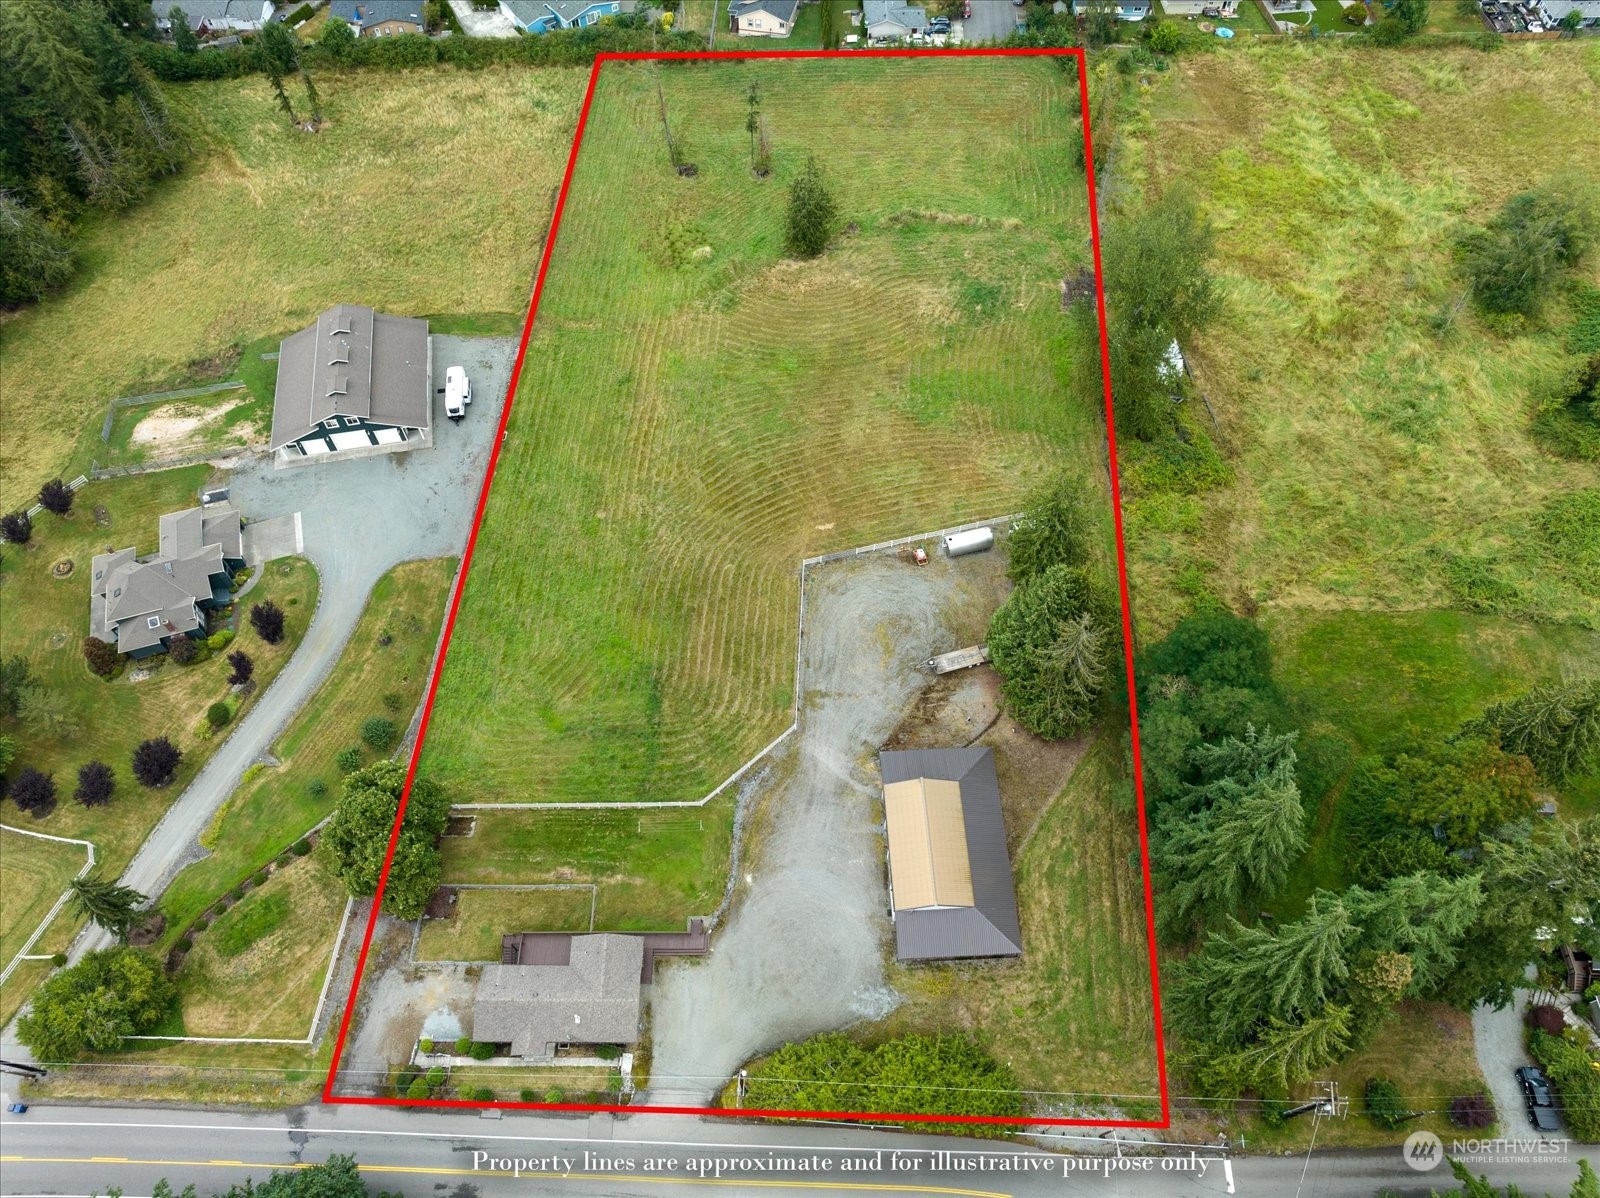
959,659
974,540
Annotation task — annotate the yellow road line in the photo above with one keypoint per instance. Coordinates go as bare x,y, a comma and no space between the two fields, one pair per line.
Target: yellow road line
444,1171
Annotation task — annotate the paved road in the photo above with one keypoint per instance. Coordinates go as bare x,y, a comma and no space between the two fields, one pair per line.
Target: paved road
991,21
359,519
85,1150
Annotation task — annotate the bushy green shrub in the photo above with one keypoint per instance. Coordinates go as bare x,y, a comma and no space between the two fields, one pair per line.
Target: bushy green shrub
1570,1068
220,640
530,1096
301,847
1384,1104
348,760
483,1094
218,715
1165,38
380,732
435,1076
480,1051
555,1094
608,1052
425,1044
317,788
417,1089
463,1046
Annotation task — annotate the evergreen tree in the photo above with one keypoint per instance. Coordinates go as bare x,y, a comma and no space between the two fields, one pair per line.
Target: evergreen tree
275,50
312,99
1051,658
752,122
1423,916
357,837
1555,727
1286,1054
1058,529
182,36
34,258
114,908
812,213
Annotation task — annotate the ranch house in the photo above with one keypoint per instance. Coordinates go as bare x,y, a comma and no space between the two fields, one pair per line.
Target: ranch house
890,21
1126,10
379,18
140,605
215,16
762,18
354,384
541,16
588,993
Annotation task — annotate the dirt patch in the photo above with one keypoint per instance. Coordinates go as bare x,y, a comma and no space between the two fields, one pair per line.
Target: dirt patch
442,905
174,425
461,825
953,709
62,569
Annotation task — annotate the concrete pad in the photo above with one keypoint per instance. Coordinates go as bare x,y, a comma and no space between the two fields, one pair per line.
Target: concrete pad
265,540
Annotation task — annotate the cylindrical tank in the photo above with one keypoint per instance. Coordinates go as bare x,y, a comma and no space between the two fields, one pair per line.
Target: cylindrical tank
974,540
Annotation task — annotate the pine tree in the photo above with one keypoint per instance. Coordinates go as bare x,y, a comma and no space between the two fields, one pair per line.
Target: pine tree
1286,1054
812,213
113,907
182,36
752,123
1072,671
1555,727
1423,916
312,98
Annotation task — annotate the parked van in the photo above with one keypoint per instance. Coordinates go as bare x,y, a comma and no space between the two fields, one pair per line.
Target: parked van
457,393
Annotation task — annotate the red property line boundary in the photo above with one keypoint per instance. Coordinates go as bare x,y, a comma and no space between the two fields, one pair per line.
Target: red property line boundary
328,1096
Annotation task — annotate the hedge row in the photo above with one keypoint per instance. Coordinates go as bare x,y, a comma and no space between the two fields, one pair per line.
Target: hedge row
1577,1082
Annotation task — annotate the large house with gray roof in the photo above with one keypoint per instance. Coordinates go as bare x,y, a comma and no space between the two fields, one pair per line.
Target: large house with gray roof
950,889
889,20
139,605
354,384
541,16
379,18
590,997
762,18
215,16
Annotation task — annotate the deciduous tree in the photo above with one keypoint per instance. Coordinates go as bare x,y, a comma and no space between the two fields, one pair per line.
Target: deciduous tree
96,784
101,657
155,761
55,496
242,669
17,527
357,837
94,1005
266,618
1513,261
34,791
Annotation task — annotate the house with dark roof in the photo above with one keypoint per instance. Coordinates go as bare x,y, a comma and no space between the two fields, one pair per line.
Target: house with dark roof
590,997
950,889
139,605
762,18
890,20
379,18
355,383
541,16
1125,10
215,16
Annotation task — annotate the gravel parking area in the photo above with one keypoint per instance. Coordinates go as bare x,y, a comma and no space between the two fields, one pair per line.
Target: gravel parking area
803,950
493,23
991,21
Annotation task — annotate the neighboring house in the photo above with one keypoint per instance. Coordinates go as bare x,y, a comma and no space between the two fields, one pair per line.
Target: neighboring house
541,16
1555,10
762,18
888,20
590,997
1126,10
215,16
950,888
354,384
139,606
379,18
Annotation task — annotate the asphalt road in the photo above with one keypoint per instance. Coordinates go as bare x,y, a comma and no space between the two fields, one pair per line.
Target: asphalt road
360,518
85,1150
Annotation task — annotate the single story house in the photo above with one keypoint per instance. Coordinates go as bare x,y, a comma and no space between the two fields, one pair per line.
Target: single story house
379,18
1556,10
215,16
139,606
1125,10
762,18
591,997
950,889
541,16
889,20
353,384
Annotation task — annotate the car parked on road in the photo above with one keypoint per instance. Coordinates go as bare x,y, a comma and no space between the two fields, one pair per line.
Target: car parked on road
1536,1093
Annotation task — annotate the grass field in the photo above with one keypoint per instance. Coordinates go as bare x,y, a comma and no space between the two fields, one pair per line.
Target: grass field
653,868
627,632
269,812
481,917
1074,1014
258,970
1379,465
33,873
252,1075
266,227
46,621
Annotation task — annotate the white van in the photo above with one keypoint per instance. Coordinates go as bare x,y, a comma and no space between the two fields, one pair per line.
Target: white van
457,393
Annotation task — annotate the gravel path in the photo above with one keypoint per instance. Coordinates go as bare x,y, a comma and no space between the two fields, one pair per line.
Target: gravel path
1498,1038
803,950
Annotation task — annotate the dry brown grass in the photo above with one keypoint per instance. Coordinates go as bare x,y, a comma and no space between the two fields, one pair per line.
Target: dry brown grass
481,917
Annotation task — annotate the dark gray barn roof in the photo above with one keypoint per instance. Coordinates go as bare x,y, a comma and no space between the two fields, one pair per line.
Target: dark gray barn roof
352,362
988,928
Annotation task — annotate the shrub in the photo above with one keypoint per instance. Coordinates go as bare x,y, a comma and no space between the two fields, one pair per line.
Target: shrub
554,1094
614,1083
1472,1111
608,1052
34,792
379,732
55,496
96,782
241,668
58,959
1577,1082
1546,1018
182,650
237,892
1212,651
393,702
481,1051
417,1089
100,657
259,877
218,715
425,1044
812,213
17,527
199,925
530,1096
303,13
463,1046
1383,1102
483,1094
219,641
267,617
435,1076
185,944
301,847
1514,259
317,788
348,760
1164,38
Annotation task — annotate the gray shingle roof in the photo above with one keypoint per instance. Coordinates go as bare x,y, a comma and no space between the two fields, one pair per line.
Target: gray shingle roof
125,594
214,12
362,13
594,999
989,928
908,16
352,362
783,10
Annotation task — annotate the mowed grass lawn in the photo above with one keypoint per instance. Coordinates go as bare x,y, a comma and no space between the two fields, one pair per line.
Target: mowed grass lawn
1075,1014
684,434
271,811
33,873
45,622
258,970
481,917
1380,465
428,192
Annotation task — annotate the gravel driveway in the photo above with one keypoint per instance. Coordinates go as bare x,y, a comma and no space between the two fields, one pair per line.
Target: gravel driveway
803,950
358,518
1498,1038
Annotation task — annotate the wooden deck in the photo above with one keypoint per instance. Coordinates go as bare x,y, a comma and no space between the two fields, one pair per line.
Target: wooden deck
555,948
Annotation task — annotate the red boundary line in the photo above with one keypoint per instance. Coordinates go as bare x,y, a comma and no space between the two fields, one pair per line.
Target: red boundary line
328,1096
